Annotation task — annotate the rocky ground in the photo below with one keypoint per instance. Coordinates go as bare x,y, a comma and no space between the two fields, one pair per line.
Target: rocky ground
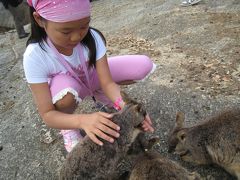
196,50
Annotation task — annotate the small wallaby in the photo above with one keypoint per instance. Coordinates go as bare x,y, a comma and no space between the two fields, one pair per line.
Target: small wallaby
151,165
214,141
137,148
88,160
142,144
148,164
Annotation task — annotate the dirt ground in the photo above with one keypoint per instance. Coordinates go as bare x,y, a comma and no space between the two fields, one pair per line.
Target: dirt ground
196,50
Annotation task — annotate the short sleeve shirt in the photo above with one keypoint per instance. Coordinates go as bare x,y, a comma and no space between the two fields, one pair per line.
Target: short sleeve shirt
41,64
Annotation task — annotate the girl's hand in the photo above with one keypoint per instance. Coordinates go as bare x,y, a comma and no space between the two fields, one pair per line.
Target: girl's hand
99,124
147,124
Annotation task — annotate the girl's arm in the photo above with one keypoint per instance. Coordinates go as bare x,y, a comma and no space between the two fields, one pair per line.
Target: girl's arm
109,87
94,124
47,111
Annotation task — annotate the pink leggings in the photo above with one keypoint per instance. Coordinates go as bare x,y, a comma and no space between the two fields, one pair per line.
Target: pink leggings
122,68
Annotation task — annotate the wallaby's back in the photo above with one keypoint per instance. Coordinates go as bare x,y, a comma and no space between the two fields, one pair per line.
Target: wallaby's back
152,166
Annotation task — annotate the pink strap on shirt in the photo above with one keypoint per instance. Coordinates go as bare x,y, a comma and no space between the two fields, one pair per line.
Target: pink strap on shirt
68,66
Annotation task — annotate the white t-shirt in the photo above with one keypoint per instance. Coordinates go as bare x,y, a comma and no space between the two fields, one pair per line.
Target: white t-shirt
39,65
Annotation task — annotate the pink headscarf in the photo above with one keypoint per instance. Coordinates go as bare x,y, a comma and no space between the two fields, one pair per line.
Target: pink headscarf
61,10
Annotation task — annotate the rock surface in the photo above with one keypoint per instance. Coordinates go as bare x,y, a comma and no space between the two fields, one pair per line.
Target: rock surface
196,50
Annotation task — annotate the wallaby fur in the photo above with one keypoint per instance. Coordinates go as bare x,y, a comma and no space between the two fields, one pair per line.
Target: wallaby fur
149,164
138,147
142,144
88,160
214,141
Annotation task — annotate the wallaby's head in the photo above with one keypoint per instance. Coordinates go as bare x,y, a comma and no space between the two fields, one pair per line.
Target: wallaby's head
177,141
130,119
187,144
134,109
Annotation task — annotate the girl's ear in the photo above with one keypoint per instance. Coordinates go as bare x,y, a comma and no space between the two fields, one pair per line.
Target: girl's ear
38,19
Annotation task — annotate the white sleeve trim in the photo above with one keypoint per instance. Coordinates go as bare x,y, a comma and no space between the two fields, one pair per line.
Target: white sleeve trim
64,92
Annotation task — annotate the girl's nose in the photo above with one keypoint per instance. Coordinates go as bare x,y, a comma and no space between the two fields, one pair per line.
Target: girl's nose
76,37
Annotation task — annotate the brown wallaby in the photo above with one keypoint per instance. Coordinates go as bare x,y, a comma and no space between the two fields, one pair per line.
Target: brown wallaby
151,165
137,148
88,160
216,140
148,164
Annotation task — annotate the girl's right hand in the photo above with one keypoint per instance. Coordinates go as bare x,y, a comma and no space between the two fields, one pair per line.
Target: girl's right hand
99,124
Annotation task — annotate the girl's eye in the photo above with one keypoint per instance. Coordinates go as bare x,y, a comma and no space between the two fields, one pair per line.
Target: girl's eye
66,33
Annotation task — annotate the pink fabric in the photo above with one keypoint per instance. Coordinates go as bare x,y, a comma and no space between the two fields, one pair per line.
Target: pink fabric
63,81
130,67
71,138
122,68
117,103
61,10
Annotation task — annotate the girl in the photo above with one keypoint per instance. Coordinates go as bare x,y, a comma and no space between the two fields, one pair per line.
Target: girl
65,61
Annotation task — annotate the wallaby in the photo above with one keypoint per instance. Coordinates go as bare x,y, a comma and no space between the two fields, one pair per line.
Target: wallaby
151,165
88,160
137,148
215,140
148,164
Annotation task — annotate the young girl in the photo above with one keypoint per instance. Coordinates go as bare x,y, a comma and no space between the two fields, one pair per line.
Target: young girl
65,61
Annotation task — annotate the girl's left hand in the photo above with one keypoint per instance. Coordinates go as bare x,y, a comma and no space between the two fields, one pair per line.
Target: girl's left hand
147,124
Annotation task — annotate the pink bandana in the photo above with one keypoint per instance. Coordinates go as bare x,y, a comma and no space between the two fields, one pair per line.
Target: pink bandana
61,10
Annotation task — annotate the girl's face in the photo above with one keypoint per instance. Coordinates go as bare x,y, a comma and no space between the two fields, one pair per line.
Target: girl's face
65,36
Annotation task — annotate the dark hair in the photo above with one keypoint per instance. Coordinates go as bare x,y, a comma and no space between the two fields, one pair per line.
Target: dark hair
38,35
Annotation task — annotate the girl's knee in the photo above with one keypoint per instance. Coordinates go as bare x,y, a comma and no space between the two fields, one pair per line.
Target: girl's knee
145,61
67,103
130,67
145,67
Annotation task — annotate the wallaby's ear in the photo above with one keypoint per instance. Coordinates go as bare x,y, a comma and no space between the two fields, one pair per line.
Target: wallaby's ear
125,97
180,117
138,107
153,141
181,135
